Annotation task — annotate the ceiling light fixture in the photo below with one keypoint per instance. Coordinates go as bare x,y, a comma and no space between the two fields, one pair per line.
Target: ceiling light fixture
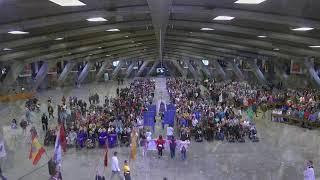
249,1
113,30
68,2
7,49
303,29
97,19
262,36
126,36
18,32
206,29
108,55
59,39
314,46
100,47
223,18
276,49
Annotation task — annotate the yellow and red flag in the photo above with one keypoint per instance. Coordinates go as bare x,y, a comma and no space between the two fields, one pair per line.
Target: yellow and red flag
36,151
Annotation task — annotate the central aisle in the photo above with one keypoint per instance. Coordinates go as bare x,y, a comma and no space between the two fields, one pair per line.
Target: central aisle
160,94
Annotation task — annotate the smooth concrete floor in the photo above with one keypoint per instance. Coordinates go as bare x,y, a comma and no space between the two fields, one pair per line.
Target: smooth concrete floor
279,155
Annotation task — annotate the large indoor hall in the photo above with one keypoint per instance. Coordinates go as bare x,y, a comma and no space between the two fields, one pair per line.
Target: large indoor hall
159,90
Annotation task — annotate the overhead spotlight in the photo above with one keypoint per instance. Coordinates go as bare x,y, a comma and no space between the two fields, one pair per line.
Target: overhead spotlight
113,30
314,46
108,55
59,39
139,43
223,18
132,41
206,29
262,36
18,32
97,19
100,47
302,29
126,36
7,49
68,2
90,54
276,49
249,1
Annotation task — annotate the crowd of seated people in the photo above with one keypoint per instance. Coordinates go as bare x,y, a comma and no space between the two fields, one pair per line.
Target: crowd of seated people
212,118
300,104
111,122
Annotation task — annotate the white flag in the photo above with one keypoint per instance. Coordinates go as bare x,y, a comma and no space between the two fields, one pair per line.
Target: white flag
2,150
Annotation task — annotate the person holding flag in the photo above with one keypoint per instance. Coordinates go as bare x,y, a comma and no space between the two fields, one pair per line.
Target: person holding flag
60,144
36,150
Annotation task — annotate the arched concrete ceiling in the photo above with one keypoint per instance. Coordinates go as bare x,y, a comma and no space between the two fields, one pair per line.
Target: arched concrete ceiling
139,23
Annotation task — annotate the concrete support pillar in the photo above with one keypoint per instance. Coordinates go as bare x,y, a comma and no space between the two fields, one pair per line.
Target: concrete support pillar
102,69
258,72
84,73
66,71
180,69
312,72
145,63
220,69
191,68
280,72
41,75
117,69
204,68
129,70
13,73
237,71
155,64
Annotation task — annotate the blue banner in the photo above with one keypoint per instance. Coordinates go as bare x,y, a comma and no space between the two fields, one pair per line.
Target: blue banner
148,118
169,116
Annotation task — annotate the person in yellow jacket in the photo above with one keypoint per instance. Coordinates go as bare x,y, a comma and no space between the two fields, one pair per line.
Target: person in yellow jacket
126,171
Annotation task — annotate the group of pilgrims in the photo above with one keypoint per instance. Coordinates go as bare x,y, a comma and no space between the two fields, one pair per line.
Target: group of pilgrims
204,110
112,123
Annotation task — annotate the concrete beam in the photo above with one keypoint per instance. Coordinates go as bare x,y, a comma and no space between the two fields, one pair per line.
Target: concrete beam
220,69
155,64
41,75
145,63
84,73
66,71
102,69
237,71
180,69
312,73
15,69
73,17
247,15
160,13
206,42
258,72
73,33
204,68
117,69
191,68
129,70
259,44
249,31
56,50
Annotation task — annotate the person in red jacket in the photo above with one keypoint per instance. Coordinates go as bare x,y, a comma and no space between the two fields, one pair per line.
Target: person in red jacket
160,145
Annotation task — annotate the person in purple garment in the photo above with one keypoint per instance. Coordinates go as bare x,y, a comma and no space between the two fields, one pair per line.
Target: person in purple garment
102,137
81,138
